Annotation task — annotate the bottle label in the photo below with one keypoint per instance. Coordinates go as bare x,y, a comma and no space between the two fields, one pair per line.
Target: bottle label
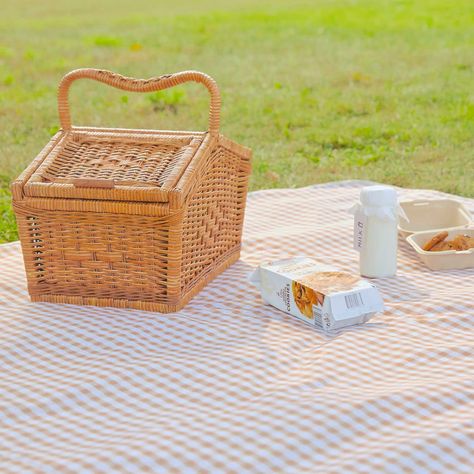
360,229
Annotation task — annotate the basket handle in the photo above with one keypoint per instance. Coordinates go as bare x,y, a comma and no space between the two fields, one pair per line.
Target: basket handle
139,85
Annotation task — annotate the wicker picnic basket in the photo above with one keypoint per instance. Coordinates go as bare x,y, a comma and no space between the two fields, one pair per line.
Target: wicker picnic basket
131,218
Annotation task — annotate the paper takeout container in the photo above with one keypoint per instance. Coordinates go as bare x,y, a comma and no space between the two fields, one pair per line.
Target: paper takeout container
447,260
433,215
428,217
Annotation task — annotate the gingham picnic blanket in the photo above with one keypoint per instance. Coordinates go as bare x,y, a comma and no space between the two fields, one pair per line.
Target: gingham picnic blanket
229,385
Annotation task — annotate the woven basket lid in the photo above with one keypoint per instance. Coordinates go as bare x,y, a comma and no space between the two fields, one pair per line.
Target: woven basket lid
127,165
120,164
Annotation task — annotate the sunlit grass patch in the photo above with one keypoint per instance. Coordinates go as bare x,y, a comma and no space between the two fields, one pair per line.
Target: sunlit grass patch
327,90
8,230
106,41
167,99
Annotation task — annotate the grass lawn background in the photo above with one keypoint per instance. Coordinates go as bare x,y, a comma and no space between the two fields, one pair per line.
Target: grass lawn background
320,90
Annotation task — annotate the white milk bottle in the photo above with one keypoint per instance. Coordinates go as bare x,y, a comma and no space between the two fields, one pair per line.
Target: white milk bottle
375,231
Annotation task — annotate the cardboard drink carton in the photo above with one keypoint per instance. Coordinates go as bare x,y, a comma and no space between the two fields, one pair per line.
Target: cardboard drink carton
320,295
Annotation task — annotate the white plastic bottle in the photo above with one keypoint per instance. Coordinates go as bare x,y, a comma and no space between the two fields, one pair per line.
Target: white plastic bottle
375,231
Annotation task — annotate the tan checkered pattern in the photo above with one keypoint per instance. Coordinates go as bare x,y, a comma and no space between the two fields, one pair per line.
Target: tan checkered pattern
231,386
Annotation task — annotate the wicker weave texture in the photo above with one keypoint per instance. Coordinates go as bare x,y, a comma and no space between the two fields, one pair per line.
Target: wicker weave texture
85,162
97,255
128,163
213,221
131,218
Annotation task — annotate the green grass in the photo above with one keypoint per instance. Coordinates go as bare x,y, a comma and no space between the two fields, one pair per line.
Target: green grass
326,90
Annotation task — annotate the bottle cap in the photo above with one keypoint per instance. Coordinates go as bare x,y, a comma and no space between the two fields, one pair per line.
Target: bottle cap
378,195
